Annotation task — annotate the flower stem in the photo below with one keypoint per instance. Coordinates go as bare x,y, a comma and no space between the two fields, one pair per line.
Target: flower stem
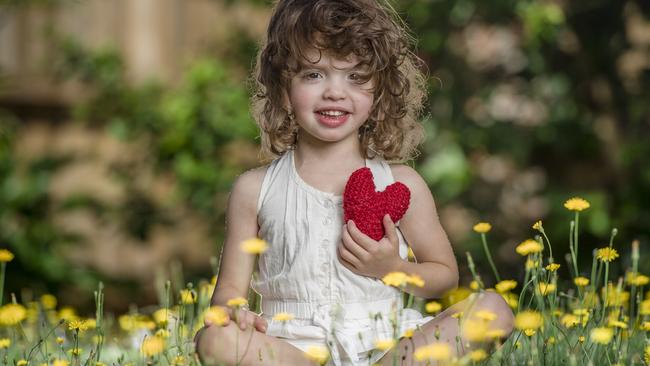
489,257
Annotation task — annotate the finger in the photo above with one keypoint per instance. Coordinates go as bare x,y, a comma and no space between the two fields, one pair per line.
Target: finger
260,324
390,229
363,240
352,246
348,257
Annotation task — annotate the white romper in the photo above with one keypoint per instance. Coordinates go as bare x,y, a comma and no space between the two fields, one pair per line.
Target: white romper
300,272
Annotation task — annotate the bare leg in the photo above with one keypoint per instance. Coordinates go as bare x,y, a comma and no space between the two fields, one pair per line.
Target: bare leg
448,327
230,345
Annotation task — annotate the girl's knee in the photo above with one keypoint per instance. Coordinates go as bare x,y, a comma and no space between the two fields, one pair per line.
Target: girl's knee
211,343
494,302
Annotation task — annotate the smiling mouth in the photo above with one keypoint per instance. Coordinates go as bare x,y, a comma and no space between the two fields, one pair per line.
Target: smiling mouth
331,118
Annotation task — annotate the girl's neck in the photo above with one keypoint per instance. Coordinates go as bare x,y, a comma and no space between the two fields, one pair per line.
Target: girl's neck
342,154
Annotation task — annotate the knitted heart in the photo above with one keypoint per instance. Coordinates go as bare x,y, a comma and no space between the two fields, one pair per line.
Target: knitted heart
367,207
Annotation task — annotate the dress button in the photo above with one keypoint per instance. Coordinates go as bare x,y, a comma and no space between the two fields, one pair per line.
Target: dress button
326,242
327,221
327,203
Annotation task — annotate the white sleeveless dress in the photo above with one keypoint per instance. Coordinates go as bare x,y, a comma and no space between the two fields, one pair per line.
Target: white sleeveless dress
301,274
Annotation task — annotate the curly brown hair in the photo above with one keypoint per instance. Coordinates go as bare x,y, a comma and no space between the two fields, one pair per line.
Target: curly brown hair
375,34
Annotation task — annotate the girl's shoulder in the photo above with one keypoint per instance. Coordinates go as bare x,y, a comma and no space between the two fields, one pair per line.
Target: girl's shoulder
247,186
409,176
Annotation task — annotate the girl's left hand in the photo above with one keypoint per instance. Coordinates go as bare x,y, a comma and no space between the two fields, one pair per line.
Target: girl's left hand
364,256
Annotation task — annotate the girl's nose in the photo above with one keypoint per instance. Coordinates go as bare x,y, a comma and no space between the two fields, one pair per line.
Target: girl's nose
334,90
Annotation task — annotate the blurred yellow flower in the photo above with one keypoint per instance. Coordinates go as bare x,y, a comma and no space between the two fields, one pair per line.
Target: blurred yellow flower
48,301
163,333
474,285
482,227
457,315
478,355
6,256
644,309
396,279
569,320
216,315
538,225
12,314
474,330
319,354
485,315
607,254
408,333
636,279
530,332
433,307
551,340
384,344
495,333
415,280
178,361
433,352
645,326
528,319
237,302
581,281
646,354
21,362
410,254
617,324
76,351
576,204
283,317
254,246
59,362
546,288
581,339
59,340
188,296
552,267
529,246
67,313
152,346
80,325
505,286
511,299
5,343
162,316
601,335
530,264
454,296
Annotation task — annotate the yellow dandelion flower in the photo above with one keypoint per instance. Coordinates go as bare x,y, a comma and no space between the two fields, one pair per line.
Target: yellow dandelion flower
538,225
478,355
5,343
581,339
162,316
581,281
601,335
59,340
237,302
474,285
607,254
216,315
384,344
67,313
415,280
617,324
644,309
21,362
546,288
569,320
76,351
511,299
529,246
319,354
530,332
457,315
283,317
152,346
12,314
482,227
505,286
188,296
530,264
396,279
433,307
474,330
495,333
636,279
6,256
80,325
528,319
48,301
433,352
456,295
163,333
645,326
551,340
646,354
254,246
409,333
552,267
59,362
485,315
178,361
576,204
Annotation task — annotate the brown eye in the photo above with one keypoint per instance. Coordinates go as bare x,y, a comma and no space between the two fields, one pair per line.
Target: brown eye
311,75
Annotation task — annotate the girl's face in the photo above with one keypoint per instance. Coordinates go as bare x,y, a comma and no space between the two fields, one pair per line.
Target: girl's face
329,98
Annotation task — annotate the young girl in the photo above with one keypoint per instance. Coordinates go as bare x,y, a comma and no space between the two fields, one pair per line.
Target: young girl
338,90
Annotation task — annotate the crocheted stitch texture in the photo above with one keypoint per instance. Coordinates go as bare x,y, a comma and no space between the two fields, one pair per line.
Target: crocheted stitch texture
367,207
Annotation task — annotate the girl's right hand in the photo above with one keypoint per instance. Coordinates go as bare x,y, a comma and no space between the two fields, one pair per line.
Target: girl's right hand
245,318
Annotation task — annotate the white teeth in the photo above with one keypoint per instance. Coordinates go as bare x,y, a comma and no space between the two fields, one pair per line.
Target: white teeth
332,113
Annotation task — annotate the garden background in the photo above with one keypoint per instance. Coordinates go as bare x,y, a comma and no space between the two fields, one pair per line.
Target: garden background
124,123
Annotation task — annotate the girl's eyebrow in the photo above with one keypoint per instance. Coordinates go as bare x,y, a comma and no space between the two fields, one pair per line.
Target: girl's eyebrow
358,66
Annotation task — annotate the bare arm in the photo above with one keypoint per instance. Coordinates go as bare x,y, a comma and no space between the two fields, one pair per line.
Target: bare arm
422,230
236,267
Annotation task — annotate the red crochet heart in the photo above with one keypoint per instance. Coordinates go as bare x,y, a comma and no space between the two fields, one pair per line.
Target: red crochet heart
367,207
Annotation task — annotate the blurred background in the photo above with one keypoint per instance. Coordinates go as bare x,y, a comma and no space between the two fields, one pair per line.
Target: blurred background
123,124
